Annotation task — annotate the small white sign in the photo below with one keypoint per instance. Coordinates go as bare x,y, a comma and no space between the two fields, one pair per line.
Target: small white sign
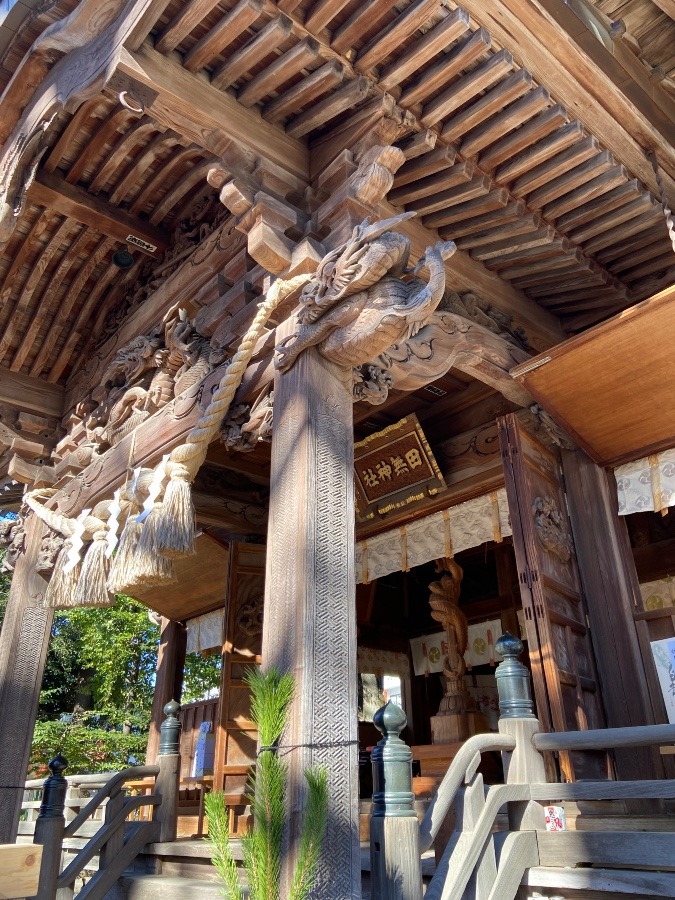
555,818
480,650
428,653
139,242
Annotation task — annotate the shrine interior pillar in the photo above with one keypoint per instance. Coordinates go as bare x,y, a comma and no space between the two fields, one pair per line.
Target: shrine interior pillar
310,611
23,650
169,680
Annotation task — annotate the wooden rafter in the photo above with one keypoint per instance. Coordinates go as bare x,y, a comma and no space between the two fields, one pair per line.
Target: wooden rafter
31,394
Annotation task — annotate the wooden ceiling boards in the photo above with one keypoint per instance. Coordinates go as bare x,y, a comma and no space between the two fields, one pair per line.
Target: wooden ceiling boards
200,586
609,387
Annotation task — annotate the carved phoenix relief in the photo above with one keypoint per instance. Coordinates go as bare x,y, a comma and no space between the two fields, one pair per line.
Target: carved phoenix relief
365,308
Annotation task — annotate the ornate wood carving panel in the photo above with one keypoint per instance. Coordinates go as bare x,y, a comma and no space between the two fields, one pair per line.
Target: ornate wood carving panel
563,664
236,735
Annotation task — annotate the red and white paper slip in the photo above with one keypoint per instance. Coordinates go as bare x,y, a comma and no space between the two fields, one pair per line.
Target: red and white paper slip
555,818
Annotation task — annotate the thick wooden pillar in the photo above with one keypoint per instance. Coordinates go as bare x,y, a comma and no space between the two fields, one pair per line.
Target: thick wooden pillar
23,650
310,612
611,587
169,681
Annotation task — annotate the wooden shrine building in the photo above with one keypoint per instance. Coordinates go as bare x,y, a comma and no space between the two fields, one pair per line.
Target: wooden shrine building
386,290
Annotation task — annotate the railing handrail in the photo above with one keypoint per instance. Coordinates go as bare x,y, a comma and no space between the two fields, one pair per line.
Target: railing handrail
117,780
605,738
473,843
33,784
462,767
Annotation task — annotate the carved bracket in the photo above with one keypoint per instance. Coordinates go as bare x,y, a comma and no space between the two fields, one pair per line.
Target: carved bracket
557,434
246,425
264,214
360,303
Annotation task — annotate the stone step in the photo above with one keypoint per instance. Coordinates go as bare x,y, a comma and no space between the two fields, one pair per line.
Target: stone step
165,887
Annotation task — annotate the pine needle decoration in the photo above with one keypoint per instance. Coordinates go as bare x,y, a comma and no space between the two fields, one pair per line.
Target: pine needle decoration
223,860
271,697
313,830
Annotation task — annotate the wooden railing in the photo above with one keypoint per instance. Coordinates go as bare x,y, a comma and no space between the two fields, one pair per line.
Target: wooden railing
80,789
118,840
485,859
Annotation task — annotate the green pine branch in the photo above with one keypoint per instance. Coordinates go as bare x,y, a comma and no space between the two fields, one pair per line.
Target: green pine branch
219,838
271,697
313,831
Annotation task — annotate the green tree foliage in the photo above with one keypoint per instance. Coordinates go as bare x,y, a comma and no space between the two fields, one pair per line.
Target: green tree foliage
98,685
87,746
202,676
271,696
103,660
97,688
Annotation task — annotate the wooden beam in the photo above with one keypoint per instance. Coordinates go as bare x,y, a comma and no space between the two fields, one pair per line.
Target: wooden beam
208,116
226,30
53,192
667,6
31,394
587,79
252,53
20,868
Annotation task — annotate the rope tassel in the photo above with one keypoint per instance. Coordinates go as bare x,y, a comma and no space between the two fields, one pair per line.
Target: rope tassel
63,583
149,566
174,519
121,571
91,585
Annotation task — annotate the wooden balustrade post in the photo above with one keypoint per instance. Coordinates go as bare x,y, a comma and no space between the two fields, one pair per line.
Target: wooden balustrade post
524,764
168,778
395,863
49,827
115,841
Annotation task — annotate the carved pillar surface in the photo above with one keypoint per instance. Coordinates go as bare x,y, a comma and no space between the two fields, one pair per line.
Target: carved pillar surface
23,650
310,616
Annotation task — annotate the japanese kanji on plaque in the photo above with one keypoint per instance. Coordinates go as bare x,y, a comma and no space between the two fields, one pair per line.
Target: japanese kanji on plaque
393,468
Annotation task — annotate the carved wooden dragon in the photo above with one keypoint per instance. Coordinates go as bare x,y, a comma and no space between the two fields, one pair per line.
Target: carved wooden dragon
357,305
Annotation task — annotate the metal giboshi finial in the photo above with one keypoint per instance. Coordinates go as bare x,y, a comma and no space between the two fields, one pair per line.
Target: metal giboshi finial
169,734
513,680
54,790
391,759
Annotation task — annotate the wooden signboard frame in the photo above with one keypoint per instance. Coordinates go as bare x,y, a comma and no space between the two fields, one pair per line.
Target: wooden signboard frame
393,468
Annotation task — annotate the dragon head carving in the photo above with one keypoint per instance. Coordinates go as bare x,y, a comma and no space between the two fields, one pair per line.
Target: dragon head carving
359,302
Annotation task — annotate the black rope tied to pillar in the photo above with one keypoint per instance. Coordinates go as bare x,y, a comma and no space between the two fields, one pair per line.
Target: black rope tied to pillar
18,787
284,749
